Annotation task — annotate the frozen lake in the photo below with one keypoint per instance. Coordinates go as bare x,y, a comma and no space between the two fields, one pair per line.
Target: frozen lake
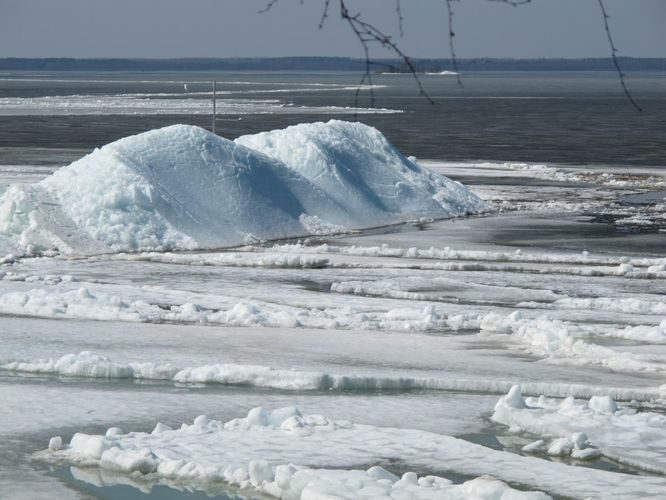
399,345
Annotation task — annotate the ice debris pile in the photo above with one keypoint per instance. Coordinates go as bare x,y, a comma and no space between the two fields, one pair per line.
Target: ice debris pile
359,169
181,187
585,430
170,454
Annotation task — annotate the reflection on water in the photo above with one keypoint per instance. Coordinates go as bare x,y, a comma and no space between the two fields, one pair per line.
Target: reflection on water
110,485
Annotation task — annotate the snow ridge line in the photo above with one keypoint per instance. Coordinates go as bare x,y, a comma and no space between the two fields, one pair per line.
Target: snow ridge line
88,365
448,253
310,257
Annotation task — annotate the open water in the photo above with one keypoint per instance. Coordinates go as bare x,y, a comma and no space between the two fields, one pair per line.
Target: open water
566,118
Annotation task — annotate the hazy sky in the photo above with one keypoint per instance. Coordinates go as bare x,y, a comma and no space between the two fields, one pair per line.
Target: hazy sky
232,28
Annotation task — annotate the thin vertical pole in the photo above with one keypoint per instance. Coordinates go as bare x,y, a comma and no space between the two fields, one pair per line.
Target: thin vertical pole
214,103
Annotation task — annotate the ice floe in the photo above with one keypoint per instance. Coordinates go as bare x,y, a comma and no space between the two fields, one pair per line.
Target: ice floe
193,103
288,454
412,308
87,303
628,305
585,429
582,263
613,179
89,365
557,342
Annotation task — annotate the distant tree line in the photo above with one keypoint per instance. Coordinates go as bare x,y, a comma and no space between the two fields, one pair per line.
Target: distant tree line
328,64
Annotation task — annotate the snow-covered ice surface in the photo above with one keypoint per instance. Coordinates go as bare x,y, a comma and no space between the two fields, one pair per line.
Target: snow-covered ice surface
209,450
588,428
394,344
633,201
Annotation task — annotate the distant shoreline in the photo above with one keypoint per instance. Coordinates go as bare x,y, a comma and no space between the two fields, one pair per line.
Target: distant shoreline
326,64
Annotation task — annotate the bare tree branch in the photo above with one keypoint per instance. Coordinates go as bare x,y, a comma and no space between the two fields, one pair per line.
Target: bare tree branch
452,33
513,3
614,51
359,32
367,33
324,14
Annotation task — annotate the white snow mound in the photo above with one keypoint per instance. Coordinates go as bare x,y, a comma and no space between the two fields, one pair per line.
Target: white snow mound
358,168
181,187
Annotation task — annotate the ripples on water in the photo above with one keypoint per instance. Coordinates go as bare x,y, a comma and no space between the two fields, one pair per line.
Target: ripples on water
576,118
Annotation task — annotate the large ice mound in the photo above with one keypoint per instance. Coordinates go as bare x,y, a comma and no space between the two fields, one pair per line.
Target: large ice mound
181,187
358,168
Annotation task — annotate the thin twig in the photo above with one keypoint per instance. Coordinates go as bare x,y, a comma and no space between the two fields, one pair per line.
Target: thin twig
619,71
364,41
367,33
398,11
452,48
513,3
452,33
324,14
268,6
